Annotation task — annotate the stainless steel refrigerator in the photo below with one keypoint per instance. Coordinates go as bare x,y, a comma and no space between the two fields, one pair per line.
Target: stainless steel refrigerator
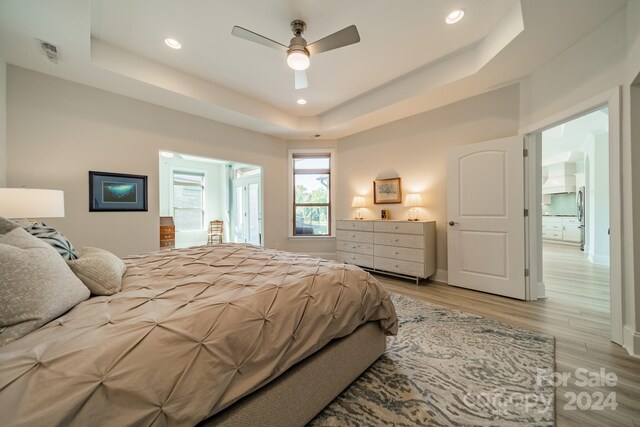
580,199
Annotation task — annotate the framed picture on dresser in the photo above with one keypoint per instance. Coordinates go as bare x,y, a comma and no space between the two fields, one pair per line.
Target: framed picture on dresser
387,191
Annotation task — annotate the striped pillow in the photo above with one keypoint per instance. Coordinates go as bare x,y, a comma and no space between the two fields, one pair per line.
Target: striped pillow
53,237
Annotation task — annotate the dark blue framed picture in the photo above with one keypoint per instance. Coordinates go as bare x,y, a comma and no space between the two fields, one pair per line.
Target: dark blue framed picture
109,192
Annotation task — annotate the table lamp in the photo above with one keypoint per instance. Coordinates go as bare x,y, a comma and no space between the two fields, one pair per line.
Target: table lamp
358,202
30,203
413,201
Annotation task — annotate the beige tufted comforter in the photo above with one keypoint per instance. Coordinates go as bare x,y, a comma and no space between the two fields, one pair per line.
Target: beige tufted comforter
192,331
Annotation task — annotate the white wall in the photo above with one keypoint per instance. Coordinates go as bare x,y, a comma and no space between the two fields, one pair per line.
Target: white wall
597,199
61,130
3,123
215,195
631,175
605,59
415,149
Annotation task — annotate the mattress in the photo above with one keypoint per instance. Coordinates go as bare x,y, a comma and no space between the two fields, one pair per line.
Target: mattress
191,332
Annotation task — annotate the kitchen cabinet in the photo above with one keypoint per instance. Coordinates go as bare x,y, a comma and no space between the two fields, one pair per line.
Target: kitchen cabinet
571,230
562,229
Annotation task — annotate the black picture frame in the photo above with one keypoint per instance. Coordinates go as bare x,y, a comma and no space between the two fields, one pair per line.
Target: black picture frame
117,192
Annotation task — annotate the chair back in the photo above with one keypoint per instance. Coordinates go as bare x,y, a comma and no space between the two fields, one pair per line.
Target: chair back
215,231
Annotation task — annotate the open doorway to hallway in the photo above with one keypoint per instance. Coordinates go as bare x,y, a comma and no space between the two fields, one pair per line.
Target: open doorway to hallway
575,211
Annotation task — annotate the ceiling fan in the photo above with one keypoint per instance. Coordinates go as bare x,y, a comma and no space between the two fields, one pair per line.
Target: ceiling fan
298,51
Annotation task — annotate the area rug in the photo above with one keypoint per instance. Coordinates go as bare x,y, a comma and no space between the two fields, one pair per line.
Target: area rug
450,368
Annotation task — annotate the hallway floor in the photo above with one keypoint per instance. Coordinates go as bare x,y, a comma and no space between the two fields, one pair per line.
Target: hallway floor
570,277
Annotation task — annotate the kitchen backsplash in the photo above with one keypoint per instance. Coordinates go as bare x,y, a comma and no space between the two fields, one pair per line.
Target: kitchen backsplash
562,204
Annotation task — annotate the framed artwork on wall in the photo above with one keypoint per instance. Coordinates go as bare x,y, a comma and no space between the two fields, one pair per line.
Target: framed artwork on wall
387,191
112,192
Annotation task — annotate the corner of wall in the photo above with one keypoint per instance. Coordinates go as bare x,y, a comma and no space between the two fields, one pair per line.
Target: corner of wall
3,122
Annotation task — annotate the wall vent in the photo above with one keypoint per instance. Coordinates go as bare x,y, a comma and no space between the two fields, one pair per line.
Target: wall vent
52,51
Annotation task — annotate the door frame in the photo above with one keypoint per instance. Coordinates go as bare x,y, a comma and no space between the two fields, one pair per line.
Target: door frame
533,197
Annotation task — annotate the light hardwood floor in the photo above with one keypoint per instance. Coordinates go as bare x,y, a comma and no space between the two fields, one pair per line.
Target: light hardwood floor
570,277
582,341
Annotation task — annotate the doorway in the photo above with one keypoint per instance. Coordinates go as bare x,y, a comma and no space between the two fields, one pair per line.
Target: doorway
536,287
575,208
246,220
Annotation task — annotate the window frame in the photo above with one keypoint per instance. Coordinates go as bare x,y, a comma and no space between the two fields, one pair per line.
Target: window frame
310,153
189,171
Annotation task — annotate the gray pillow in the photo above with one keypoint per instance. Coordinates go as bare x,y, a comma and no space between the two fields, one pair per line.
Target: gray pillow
100,270
53,237
36,285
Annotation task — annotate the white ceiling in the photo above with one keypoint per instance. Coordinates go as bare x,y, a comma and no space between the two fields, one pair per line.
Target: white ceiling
408,61
572,136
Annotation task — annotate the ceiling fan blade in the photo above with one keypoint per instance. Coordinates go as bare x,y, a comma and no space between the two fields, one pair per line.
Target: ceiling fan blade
243,33
341,38
301,79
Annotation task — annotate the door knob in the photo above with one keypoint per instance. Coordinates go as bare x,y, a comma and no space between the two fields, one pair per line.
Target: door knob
452,223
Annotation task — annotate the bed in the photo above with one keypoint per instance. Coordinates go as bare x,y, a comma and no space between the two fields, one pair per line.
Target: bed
218,335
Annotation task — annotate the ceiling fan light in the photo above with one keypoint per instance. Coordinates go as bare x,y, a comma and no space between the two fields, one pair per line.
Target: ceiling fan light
298,60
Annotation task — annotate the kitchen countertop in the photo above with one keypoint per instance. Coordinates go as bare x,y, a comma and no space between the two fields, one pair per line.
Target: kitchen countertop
563,216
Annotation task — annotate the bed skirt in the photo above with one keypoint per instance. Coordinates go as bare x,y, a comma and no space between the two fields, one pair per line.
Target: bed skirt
295,397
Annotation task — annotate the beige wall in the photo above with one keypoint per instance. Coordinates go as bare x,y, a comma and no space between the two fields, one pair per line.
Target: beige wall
415,149
61,130
3,123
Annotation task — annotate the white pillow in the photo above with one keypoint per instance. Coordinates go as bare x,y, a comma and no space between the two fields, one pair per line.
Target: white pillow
36,286
100,270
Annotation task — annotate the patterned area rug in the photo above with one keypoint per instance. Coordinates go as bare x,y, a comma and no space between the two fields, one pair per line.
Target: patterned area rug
449,368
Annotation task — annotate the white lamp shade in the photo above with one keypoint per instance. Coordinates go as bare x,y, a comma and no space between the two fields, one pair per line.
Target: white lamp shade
413,200
31,203
358,202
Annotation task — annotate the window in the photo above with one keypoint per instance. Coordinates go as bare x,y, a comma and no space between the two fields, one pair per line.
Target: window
188,200
311,194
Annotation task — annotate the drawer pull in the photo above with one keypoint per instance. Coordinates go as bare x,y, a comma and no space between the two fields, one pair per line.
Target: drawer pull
396,252
396,227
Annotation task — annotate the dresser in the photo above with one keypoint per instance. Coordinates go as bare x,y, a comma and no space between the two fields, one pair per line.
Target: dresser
401,248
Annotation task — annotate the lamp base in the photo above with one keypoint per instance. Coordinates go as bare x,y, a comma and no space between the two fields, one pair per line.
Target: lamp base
413,219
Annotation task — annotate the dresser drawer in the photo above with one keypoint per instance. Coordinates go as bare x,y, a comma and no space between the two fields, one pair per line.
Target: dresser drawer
402,267
402,240
355,236
404,254
398,227
354,225
359,248
356,259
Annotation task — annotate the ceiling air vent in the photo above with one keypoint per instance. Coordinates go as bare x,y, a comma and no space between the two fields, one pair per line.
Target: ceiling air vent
50,50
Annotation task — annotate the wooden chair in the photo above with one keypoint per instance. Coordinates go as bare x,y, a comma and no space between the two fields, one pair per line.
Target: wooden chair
215,232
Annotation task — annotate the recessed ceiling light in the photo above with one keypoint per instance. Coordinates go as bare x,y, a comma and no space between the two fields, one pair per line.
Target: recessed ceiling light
455,16
166,154
172,43
301,101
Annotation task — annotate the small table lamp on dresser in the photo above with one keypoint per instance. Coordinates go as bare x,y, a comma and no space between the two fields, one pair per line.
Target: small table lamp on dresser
413,201
358,202
30,203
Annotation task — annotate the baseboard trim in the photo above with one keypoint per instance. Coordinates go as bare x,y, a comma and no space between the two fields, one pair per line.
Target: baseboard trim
541,290
599,259
441,276
631,341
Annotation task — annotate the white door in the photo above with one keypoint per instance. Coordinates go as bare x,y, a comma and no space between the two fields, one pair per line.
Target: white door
485,206
247,214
